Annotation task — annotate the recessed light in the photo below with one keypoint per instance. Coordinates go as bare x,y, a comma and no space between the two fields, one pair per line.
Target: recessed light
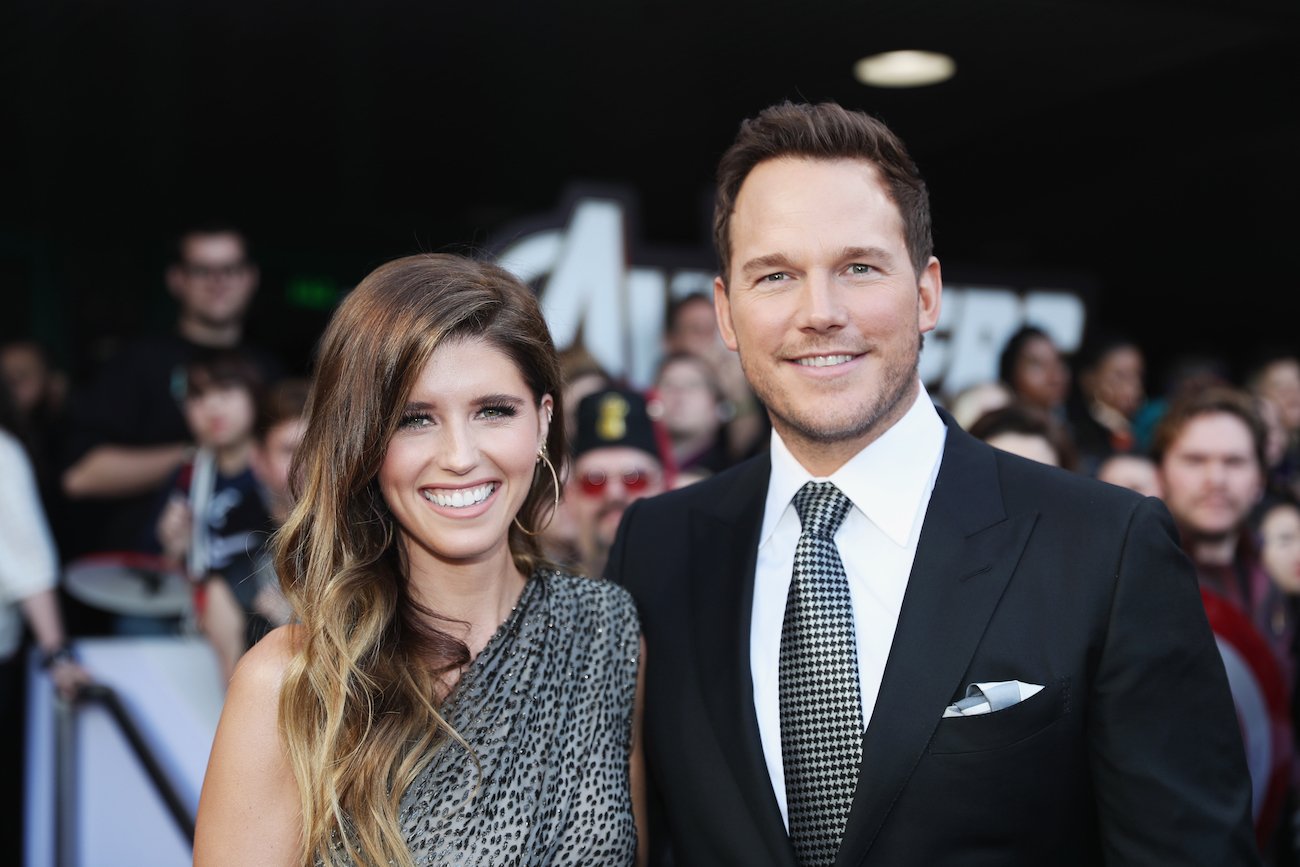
904,69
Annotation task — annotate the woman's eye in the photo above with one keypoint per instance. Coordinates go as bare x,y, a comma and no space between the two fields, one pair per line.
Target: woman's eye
414,420
498,412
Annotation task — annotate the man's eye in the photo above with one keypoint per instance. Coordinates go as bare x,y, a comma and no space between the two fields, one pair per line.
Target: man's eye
776,278
859,268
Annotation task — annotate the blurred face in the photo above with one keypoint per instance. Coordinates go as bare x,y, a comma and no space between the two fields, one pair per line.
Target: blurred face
1117,381
1134,473
1210,475
221,416
1040,376
605,480
274,456
25,374
1275,446
1027,446
690,405
1281,384
460,466
824,307
695,329
1280,538
214,282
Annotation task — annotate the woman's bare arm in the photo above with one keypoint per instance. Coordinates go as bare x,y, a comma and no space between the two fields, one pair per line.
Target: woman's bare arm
249,810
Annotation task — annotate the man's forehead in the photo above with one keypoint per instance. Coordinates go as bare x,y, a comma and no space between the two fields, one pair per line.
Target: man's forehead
209,246
1217,432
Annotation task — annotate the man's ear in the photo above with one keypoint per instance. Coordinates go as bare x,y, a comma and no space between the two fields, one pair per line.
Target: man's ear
722,309
929,296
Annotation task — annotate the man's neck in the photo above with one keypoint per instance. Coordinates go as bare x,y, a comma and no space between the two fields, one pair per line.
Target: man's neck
206,334
233,459
1217,550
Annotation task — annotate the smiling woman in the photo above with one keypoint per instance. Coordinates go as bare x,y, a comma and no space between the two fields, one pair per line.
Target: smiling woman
387,726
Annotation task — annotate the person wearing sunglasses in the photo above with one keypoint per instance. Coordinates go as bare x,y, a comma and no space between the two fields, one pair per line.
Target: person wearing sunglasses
617,458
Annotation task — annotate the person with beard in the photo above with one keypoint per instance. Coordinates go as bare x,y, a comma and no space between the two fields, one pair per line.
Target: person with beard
618,457
882,641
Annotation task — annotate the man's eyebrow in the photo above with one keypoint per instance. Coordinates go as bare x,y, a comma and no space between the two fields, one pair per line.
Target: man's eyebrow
765,263
880,254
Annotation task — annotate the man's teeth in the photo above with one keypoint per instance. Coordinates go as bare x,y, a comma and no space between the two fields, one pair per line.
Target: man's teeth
825,360
462,497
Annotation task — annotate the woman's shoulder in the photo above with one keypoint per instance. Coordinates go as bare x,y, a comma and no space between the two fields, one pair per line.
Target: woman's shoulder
261,669
596,601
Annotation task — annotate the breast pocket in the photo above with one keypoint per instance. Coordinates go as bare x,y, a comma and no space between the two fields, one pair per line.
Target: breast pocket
1003,728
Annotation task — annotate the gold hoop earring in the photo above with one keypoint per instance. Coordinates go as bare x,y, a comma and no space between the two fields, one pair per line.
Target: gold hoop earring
542,457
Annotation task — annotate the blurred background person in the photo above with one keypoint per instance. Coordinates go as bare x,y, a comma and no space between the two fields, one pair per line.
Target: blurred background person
1111,390
127,434
582,375
38,390
1186,373
1134,471
618,457
1274,377
243,601
1028,431
690,404
971,402
1033,368
691,327
215,508
29,604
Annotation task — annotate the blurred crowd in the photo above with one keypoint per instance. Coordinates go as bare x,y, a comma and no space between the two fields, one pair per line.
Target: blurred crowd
173,459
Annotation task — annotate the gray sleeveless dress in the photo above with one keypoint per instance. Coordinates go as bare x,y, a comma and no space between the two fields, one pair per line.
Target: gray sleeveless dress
547,709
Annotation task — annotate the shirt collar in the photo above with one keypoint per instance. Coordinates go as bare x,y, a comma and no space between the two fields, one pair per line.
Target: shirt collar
886,481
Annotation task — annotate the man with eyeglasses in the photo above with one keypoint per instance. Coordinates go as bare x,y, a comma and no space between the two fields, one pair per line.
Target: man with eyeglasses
126,432
617,459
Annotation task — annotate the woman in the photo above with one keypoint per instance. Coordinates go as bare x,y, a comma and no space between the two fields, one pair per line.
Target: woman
1032,366
445,698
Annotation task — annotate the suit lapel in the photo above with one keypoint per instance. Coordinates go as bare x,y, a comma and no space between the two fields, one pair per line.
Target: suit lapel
723,550
966,554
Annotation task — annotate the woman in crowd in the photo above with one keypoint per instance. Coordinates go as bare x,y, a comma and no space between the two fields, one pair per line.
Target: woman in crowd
446,697
1032,367
1110,394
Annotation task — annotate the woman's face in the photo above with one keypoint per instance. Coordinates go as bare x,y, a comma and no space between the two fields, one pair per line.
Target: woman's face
1280,536
460,466
1040,376
1117,380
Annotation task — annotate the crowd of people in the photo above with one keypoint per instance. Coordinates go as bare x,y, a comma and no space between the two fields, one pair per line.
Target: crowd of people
180,447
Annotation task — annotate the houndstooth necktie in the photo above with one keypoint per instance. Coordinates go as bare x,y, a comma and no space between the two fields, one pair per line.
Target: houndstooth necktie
820,696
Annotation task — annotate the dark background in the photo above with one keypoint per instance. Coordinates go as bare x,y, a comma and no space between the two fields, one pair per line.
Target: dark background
1144,148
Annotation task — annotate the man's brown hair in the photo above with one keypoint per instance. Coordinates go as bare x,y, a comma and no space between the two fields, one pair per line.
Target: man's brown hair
1215,400
824,131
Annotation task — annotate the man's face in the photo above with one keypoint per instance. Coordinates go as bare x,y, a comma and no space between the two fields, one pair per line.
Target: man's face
695,330
824,307
214,282
1211,476
604,482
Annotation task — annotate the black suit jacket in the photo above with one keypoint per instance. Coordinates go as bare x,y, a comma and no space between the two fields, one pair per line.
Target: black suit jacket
1131,754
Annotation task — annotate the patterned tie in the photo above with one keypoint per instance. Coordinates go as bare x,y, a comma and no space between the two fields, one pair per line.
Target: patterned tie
821,699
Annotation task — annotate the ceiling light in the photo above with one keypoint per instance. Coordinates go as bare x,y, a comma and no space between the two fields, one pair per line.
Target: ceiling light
904,69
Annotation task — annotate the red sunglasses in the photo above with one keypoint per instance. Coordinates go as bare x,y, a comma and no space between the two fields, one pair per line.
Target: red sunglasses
593,482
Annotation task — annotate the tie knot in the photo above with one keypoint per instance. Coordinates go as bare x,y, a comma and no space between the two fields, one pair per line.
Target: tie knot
821,508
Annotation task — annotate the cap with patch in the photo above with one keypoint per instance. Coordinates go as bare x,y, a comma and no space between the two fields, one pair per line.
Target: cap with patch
614,417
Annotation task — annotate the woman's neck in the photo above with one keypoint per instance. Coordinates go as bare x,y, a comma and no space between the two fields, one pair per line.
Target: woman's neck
476,598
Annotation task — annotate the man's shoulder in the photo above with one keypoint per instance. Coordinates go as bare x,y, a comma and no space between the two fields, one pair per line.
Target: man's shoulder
744,479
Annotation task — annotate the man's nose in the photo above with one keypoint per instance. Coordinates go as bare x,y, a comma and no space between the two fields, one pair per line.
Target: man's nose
822,304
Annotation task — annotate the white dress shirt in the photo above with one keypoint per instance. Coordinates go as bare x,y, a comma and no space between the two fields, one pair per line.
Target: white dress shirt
889,483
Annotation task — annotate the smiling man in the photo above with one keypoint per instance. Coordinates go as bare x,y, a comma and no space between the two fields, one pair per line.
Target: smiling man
884,642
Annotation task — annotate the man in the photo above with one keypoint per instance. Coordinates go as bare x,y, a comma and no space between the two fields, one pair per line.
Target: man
1209,447
817,695
127,433
616,459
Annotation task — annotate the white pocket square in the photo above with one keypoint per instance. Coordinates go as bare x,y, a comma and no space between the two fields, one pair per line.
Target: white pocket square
988,697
